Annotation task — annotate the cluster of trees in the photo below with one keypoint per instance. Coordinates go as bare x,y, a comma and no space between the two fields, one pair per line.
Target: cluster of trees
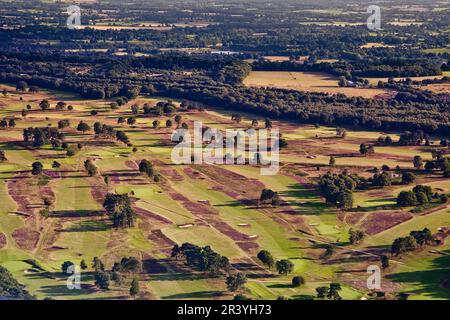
416,239
146,167
39,137
118,207
420,194
330,292
283,266
127,265
5,123
338,188
10,288
201,258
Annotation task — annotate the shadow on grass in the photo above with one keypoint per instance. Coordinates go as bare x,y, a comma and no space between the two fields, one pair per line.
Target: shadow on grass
431,282
75,213
88,226
195,295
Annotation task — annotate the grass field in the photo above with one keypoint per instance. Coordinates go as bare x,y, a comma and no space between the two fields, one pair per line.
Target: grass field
306,81
206,205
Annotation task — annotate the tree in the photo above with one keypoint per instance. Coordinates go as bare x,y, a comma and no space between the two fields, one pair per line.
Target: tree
134,289
332,161
356,236
12,123
344,200
418,162
156,124
321,292
36,168
146,167
131,121
266,258
268,124
83,127
236,282
329,251
408,178
21,86
284,266
65,266
102,280
401,245
384,261
297,281
83,265
178,119
169,123
406,199
97,264
44,105
91,168
422,198
333,291
118,207
135,109
2,156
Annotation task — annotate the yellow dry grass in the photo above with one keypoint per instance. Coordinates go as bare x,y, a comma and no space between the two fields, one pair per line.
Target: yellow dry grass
306,81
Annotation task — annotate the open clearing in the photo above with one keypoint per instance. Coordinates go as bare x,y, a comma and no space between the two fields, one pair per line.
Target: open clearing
307,81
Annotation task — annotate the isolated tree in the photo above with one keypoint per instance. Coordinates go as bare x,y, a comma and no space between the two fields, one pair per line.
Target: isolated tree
12,123
44,105
178,119
236,282
332,161
60,105
134,289
384,261
329,251
284,266
97,264
266,258
355,236
131,120
254,123
169,123
91,168
146,167
2,156
83,127
268,124
297,281
83,265
56,165
156,124
418,162
36,168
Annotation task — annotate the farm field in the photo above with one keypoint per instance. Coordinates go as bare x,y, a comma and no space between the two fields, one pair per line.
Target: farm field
307,81
206,205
